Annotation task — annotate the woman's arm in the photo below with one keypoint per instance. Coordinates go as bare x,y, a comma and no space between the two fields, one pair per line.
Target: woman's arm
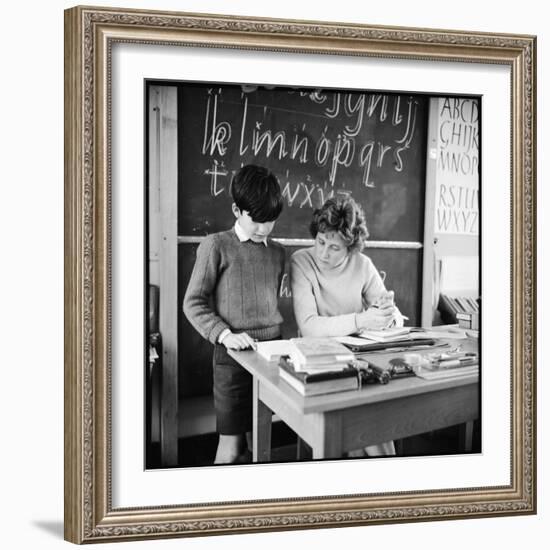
378,317
310,323
374,288
381,310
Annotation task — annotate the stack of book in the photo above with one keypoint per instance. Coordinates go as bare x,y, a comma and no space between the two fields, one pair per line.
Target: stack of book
320,382
451,307
315,366
468,320
319,354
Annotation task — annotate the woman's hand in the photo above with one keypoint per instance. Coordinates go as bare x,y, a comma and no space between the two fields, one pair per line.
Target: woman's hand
386,299
375,317
238,341
382,314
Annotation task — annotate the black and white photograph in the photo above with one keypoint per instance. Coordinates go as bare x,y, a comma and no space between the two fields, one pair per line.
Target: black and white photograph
312,274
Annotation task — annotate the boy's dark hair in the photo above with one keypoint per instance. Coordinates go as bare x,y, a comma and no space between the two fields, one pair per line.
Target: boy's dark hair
256,190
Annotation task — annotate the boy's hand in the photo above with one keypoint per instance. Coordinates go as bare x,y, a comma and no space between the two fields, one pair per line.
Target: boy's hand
239,341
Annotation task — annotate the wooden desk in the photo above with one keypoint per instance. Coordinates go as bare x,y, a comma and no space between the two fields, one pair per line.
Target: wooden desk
335,423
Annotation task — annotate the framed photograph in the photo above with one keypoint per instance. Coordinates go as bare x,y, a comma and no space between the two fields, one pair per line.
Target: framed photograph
421,145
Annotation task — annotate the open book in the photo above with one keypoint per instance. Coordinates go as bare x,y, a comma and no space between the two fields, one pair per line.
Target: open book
387,334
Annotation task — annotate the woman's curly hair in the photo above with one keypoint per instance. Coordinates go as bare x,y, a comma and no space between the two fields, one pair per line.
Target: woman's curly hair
343,216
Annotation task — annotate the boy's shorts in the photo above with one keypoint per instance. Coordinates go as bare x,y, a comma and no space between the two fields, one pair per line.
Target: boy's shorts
232,394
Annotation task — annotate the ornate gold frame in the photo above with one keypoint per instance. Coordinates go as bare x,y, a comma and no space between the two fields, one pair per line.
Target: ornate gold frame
89,33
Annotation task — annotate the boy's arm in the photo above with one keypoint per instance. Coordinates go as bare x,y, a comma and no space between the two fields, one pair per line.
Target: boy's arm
197,301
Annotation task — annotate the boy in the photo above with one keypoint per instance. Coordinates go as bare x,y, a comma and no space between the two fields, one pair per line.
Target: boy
231,299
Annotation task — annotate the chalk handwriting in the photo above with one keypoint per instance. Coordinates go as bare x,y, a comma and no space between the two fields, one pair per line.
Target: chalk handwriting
346,140
299,148
284,289
214,171
343,153
216,135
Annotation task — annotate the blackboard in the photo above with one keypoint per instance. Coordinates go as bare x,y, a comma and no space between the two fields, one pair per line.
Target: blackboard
319,144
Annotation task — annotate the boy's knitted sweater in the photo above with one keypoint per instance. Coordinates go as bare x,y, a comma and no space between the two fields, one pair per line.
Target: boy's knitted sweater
235,285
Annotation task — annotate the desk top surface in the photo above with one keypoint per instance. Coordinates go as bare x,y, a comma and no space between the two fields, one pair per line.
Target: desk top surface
267,373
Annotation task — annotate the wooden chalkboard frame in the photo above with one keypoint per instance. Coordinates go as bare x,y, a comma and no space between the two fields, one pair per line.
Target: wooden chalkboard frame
89,513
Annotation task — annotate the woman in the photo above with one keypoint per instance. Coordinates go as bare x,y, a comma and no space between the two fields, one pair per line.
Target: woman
336,290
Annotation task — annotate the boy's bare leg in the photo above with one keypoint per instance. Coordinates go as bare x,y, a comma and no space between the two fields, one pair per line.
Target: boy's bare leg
229,448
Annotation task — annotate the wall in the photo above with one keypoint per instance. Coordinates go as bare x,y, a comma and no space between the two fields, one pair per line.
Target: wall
31,217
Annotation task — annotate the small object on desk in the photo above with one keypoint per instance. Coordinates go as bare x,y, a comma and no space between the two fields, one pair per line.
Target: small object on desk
457,363
400,368
450,361
444,365
370,373
438,374
374,373
450,355
415,360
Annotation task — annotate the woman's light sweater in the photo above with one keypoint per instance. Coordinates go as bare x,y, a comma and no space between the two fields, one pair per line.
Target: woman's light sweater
326,300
